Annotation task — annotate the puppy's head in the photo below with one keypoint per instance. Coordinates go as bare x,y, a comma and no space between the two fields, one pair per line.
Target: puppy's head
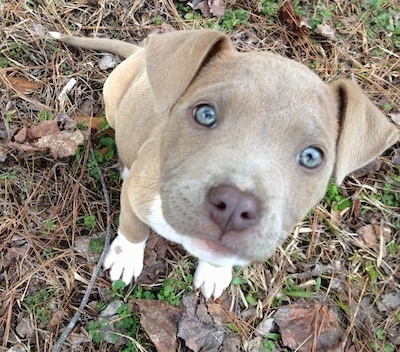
251,142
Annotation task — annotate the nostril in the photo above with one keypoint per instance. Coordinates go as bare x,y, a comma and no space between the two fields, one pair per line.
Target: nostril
246,215
221,206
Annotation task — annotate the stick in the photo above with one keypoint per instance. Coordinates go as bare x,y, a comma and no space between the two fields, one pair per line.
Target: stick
97,268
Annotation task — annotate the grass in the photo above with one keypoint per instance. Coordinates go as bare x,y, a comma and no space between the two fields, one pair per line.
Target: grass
46,204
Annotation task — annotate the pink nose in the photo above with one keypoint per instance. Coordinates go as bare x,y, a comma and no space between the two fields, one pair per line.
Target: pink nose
233,209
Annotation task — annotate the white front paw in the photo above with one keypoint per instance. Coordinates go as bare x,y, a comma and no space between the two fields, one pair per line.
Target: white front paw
212,280
124,259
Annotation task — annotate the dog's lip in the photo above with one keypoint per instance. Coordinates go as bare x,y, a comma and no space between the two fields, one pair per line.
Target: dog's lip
212,245
214,252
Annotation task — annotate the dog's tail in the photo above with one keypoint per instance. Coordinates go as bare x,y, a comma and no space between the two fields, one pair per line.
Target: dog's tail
114,46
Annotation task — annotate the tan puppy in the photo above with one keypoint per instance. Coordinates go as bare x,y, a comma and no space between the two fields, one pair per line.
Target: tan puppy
225,152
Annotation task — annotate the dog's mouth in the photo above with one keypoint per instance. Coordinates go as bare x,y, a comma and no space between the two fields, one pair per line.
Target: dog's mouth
214,252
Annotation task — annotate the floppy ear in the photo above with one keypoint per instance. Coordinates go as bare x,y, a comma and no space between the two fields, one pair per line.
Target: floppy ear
173,60
364,132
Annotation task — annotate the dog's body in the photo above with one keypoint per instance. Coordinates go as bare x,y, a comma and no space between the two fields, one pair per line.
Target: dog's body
225,152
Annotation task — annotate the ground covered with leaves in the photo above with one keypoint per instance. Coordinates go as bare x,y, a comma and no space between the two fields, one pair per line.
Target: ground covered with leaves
333,286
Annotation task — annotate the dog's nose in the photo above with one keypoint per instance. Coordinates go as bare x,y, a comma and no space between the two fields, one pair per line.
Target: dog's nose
233,209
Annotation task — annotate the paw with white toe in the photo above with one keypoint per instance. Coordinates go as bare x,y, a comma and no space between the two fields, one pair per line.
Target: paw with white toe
124,259
212,280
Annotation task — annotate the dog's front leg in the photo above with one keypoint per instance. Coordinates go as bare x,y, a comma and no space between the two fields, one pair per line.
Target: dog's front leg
126,253
211,279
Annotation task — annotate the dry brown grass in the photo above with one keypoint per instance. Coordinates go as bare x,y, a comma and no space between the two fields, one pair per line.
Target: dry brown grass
44,201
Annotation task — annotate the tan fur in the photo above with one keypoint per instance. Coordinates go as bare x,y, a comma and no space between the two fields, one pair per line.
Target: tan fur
269,108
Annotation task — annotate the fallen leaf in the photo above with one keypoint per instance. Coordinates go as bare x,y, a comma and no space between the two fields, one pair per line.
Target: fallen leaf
93,123
202,326
43,128
217,8
160,321
294,22
370,235
24,328
19,347
309,327
109,61
389,302
163,28
22,147
21,135
395,116
55,320
209,7
371,167
61,144
3,155
396,158
23,86
326,31
255,345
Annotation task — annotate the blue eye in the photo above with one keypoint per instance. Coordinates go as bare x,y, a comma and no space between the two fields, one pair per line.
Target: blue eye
310,157
205,115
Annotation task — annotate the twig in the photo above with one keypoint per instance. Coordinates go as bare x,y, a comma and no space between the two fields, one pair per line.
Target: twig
97,268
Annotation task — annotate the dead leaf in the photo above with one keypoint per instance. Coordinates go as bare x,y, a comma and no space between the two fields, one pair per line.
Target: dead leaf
3,155
389,302
202,326
55,319
19,347
209,8
93,123
21,135
24,328
160,321
294,22
23,86
22,147
108,61
371,167
326,31
370,235
396,158
309,327
163,28
43,128
395,116
62,144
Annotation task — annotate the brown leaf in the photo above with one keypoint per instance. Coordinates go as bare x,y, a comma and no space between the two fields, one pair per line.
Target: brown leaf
370,235
20,136
309,327
94,123
202,330
209,7
55,320
326,31
22,147
23,86
160,321
218,313
371,167
24,328
294,22
389,302
43,128
217,8
61,144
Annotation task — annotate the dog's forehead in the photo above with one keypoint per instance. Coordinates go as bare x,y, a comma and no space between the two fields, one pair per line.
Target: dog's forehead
263,79
265,91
